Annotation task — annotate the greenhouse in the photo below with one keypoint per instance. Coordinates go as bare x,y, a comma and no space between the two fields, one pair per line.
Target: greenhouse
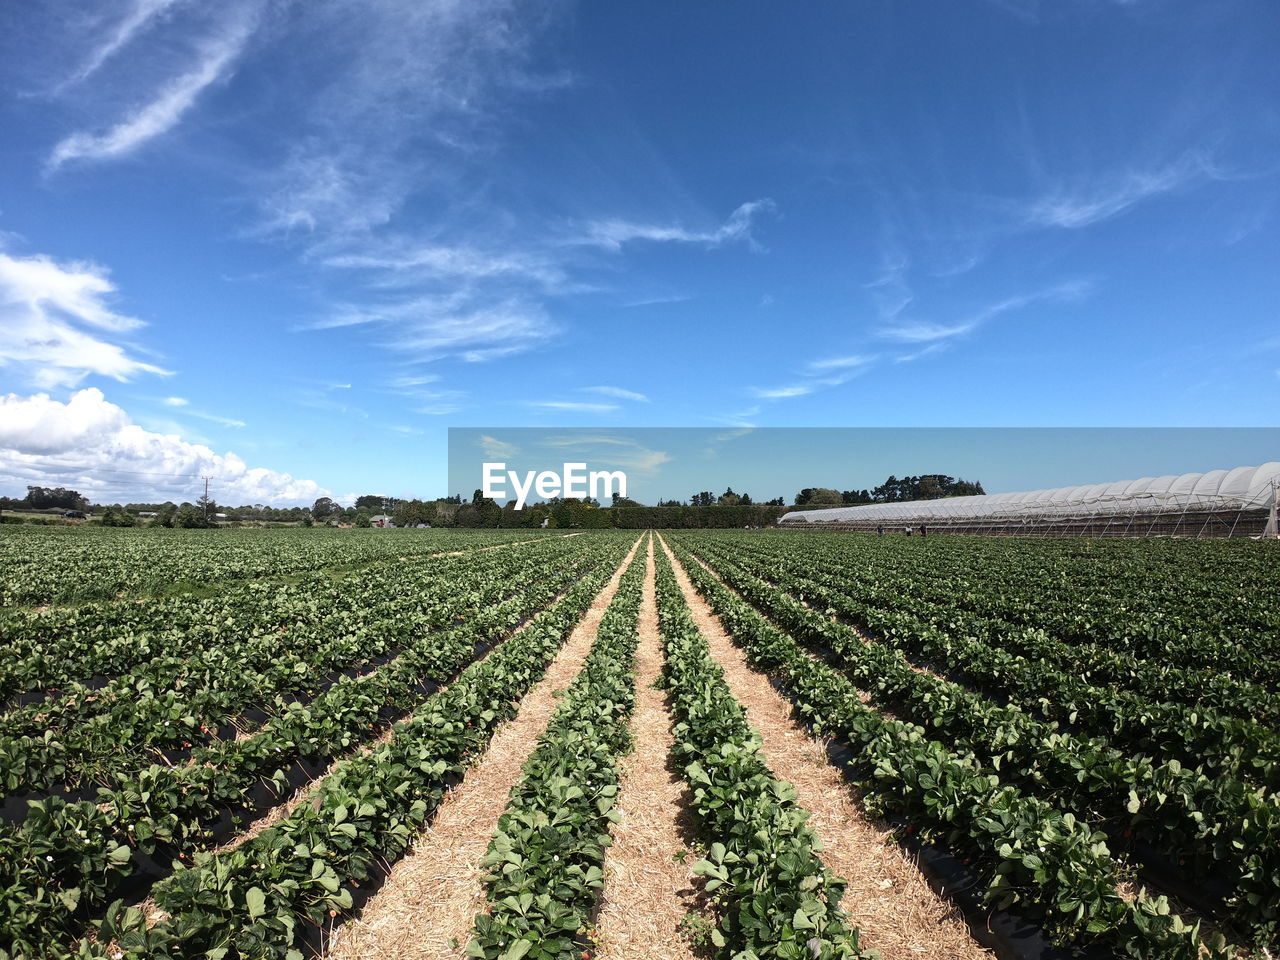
1221,503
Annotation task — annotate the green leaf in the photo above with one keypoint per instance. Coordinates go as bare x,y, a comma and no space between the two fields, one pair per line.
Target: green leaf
517,950
256,902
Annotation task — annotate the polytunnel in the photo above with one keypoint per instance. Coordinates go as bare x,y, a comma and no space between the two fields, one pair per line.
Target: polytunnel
1217,503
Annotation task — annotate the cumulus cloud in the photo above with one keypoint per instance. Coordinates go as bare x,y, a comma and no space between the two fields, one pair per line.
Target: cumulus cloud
93,445
45,307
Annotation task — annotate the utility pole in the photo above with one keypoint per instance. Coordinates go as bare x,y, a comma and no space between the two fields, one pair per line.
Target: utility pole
205,501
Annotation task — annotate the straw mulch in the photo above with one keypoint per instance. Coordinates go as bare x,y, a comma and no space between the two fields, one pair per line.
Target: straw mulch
428,904
647,890
887,897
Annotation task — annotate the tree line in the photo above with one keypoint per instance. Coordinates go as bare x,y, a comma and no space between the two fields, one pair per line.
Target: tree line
928,486
702,509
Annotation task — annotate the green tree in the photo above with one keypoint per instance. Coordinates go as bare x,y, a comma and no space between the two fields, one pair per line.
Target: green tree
818,496
190,517
323,508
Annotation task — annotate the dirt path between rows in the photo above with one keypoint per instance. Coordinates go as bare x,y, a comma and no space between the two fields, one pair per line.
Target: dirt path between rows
429,902
647,890
887,897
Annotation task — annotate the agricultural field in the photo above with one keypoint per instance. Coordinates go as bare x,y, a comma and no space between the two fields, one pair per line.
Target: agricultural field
765,744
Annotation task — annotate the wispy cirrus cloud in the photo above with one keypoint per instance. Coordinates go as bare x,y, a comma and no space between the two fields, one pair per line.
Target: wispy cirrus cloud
495,449
428,328
614,234
138,18
821,374
928,332
658,299
783,393
572,406
163,112
843,362
611,451
411,264
215,418
618,392
1071,207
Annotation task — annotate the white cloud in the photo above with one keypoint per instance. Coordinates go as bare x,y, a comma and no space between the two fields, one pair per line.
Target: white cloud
159,115
618,452
820,374
1071,209
413,265
404,89
921,332
618,392
841,363
495,449
429,328
782,393
214,418
926,332
176,401
43,307
614,234
141,16
93,445
658,299
575,406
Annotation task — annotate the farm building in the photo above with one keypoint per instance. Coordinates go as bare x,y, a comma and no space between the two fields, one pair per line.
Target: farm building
1220,503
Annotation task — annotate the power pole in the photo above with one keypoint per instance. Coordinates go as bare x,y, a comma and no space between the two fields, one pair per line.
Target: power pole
205,502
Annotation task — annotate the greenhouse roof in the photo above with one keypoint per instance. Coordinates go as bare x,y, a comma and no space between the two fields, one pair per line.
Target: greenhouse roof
1241,488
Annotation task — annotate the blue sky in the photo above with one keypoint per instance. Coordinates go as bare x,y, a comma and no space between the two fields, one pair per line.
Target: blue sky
288,245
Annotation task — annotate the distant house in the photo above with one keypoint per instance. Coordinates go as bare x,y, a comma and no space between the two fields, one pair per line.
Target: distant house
146,514
381,520
220,516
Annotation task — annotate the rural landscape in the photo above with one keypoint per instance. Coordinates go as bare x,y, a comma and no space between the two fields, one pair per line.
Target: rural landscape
493,480
506,744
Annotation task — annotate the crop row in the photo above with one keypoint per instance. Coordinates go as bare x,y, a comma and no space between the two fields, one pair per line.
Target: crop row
771,895
1211,606
1021,626
1041,862
274,894
1219,831
44,652
1203,739
66,860
44,565
546,860
86,734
